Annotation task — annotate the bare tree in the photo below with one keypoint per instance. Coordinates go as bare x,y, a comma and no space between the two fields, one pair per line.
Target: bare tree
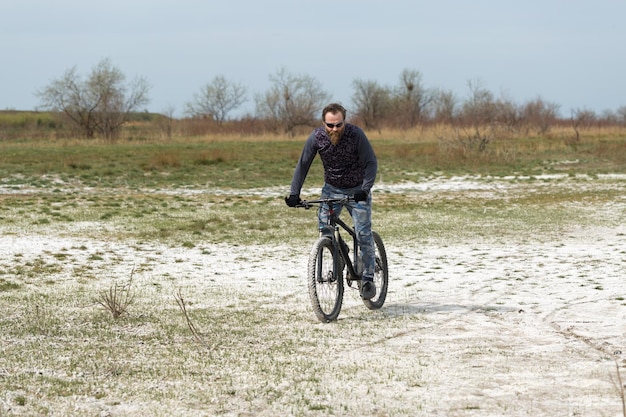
292,101
507,115
539,114
581,119
372,102
444,106
478,117
621,115
217,99
165,121
411,98
100,104
608,117
480,106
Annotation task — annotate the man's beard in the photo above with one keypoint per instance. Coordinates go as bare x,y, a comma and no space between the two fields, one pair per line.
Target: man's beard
335,136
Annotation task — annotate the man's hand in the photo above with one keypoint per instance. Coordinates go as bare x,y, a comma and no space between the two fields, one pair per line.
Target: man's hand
360,196
293,200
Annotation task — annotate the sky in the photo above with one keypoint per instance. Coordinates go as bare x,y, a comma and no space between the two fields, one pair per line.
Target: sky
567,52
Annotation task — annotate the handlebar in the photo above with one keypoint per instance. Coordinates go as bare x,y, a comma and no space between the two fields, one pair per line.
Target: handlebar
307,204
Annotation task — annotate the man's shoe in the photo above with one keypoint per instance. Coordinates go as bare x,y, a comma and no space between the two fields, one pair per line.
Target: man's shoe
368,290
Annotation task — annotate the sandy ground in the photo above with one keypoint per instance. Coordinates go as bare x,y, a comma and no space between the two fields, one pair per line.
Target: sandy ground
484,328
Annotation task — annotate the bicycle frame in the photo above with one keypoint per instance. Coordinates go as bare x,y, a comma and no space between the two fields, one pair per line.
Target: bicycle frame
339,244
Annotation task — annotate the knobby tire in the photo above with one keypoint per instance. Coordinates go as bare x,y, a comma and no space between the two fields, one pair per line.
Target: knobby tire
381,275
325,286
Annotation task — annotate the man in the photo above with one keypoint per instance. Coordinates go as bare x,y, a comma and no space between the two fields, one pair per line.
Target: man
350,167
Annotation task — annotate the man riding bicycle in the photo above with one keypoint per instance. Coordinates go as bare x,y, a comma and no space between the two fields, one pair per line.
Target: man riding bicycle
350,167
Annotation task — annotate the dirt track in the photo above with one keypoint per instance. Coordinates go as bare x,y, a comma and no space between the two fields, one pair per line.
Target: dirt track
469,329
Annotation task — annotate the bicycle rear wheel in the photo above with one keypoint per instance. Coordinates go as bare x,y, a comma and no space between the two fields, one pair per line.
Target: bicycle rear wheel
325,287
381,275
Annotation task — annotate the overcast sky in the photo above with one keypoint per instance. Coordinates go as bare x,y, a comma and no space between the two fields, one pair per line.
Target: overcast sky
568,52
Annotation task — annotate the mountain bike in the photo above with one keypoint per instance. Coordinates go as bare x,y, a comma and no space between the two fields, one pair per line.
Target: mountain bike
328,258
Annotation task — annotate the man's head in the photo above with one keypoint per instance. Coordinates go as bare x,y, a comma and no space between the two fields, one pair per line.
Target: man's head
334,118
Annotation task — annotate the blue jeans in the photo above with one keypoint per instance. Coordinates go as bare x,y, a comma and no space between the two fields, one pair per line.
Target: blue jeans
361,213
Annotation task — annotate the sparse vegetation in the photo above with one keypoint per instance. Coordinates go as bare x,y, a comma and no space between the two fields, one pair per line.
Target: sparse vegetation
118,298
151,203
620,387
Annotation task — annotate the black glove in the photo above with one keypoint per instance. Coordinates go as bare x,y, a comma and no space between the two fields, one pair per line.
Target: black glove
360,196
293,200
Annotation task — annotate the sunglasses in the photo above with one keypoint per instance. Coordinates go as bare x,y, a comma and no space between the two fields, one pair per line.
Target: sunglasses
333,125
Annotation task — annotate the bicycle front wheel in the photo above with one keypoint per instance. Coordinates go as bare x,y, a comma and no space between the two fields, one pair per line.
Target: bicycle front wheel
325,285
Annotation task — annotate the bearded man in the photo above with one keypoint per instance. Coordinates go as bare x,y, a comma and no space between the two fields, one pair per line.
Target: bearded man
350,167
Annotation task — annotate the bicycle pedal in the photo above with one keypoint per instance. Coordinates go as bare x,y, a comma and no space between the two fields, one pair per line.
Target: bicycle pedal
349,280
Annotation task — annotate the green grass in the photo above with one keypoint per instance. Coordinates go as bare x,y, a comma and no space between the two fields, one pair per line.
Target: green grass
191,219
153,165
250,163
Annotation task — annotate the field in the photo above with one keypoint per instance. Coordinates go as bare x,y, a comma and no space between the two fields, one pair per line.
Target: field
506,282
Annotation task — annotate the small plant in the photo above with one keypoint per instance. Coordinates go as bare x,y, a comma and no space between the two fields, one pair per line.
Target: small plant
619,385
192,327
117,298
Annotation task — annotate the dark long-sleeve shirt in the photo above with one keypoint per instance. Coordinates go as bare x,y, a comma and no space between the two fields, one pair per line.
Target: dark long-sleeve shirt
348,164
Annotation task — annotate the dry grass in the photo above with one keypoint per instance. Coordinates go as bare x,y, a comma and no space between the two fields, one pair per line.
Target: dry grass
192,327
620,387
118,298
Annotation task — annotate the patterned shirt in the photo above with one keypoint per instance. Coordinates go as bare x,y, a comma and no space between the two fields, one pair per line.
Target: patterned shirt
349,164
